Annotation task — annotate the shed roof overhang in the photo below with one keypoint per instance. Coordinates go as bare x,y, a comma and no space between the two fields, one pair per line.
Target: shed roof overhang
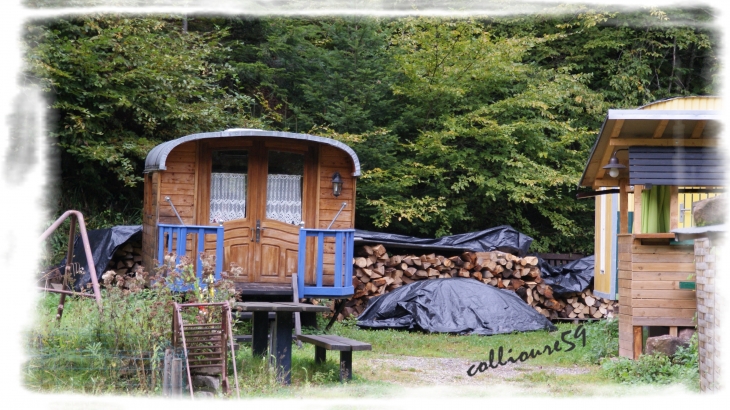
696,232
650,128
158,155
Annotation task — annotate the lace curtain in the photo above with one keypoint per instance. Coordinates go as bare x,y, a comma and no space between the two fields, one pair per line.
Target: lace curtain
227,196
284,198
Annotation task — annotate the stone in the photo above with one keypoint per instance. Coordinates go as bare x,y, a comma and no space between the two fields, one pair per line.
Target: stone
208,383
710,211
665,344
685,333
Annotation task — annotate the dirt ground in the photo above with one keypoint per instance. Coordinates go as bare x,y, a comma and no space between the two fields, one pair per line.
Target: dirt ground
443,371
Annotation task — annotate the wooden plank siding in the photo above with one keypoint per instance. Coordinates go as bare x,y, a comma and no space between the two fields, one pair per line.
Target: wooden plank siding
149,220
178,182
625,321
186,180
333,160
694,166
649,293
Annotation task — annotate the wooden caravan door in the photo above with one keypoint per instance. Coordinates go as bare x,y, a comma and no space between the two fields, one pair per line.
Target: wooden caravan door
231,181
281,207
258,192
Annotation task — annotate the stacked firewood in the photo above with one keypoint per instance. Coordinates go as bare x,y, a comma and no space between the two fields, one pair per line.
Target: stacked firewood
125,262
587,305
376,273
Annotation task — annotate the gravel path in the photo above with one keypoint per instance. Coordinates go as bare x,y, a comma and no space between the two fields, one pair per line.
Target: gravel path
423,370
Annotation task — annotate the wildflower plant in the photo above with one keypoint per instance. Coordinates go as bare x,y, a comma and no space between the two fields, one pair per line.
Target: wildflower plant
120,348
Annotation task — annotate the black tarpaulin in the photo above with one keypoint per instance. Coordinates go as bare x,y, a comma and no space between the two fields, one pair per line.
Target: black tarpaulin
454,305
103,243
501,238
572,277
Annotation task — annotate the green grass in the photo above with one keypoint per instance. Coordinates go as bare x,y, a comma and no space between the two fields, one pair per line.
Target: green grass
85,354
476,348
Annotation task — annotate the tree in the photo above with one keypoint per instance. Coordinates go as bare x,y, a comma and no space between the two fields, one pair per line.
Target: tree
117,87
497,142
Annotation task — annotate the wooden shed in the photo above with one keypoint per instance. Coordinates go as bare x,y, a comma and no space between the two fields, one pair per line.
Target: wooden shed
663,155
256,198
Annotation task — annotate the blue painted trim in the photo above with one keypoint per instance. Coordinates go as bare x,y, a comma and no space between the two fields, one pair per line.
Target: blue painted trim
603,295
338,260
324,292
320,258
178,234
344,250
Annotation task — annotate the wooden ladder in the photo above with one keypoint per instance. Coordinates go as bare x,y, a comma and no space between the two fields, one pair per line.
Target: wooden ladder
204,344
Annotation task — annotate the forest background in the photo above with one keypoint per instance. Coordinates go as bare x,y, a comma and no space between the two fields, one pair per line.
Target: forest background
459,124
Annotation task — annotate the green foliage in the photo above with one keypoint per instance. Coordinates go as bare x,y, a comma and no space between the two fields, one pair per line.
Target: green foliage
491,132
634,56
657,368
349,321
118,86
120,348
603,340
56,244
460,124
330,71
117,350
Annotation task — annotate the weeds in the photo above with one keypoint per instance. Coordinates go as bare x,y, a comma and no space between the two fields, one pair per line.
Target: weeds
122,347
602,336
657,368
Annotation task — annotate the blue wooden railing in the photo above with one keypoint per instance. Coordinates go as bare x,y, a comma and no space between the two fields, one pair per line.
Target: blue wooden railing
176,238
344,246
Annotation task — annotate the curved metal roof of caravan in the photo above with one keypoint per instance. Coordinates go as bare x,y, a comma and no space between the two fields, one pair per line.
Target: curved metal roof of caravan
158,155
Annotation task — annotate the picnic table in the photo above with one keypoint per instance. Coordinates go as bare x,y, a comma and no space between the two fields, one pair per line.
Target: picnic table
281,336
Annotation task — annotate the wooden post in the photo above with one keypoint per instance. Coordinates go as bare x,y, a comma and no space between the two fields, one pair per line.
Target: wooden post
345,365
176,377
282,346
673,207
167,374
638,341
637,208
673,331
320,354
297,318
624,206
259,341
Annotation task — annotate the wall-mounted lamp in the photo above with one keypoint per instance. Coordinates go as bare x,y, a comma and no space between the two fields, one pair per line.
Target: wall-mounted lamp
614,166
336,184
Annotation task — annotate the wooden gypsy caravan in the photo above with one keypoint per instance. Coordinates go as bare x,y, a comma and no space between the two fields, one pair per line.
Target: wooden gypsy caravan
257,199
660,157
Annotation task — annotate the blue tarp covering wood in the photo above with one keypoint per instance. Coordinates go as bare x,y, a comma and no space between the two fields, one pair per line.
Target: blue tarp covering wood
455,305
501,238
572,277
103,243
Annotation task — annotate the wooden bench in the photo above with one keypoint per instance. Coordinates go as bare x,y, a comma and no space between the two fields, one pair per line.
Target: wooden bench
346,346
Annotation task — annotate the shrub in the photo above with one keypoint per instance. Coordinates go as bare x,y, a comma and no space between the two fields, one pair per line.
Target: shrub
657,368
602,339
120,348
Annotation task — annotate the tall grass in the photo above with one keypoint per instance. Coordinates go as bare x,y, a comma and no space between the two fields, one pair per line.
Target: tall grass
120,348
117,350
